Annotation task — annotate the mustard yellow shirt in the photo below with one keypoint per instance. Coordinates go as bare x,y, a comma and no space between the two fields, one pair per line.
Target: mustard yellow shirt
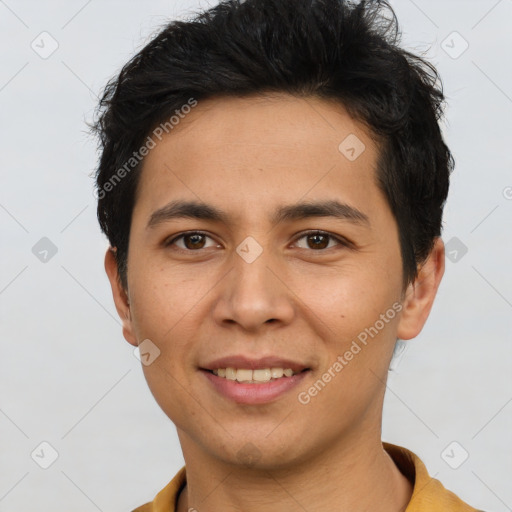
428,493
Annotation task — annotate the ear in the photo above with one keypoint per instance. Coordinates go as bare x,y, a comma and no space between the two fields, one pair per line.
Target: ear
420,294
120,296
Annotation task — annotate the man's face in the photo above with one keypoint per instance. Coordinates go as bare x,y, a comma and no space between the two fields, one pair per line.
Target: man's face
252,293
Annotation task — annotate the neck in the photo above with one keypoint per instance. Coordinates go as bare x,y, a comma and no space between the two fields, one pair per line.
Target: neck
351,476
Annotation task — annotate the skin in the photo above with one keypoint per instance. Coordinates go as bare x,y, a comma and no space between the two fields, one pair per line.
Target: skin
248,156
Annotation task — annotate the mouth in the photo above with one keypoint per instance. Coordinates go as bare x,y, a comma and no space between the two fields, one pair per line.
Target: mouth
253,382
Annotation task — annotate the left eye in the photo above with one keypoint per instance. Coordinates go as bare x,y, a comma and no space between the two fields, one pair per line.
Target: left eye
320,240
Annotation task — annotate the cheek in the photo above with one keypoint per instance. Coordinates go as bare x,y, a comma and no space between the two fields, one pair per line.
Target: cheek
347,299
169,306
162,311
161,297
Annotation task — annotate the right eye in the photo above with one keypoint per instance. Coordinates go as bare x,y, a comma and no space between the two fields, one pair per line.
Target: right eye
191,241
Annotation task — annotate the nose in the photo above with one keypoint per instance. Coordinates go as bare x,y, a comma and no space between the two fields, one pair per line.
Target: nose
254,294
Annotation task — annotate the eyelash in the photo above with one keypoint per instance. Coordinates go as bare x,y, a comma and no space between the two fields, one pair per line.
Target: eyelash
341,241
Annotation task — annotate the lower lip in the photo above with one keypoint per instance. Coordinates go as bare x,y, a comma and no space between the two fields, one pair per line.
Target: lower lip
253,394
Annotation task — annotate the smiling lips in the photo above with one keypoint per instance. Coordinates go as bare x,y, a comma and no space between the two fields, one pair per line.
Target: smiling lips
250,381
243,369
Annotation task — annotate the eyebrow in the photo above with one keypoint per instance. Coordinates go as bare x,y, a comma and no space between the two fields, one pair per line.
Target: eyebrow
202,211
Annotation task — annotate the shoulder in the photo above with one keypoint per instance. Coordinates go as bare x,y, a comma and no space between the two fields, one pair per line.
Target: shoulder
429,494
166,499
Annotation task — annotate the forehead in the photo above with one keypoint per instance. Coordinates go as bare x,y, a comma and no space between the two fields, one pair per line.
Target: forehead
251,152
270,119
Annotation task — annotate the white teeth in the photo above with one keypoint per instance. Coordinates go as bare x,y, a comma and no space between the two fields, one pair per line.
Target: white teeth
230,373
261,375
244,375
253,376
276,373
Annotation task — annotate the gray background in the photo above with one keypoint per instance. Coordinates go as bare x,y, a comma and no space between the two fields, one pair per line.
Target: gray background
68,378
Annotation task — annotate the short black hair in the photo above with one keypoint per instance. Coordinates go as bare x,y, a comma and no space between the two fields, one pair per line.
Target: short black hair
331,49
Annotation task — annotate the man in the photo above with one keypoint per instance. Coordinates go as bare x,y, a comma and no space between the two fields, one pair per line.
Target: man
272,181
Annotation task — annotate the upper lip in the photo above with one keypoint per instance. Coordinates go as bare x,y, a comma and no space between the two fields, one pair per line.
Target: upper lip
239,361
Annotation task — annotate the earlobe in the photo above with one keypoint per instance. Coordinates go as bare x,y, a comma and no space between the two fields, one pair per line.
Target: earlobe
421,293
120,296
